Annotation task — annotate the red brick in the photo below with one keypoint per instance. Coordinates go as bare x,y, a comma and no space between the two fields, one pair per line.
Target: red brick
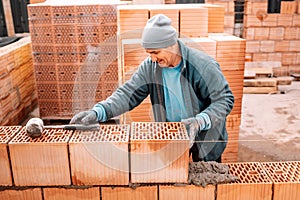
260,56
287,7
282,46
252,46
289,58
287,20
159,152
131,21
276,33
253,182
261,33
125,193
249,33
100,157
294,46
285,177
298,58
194,21
187,192
248,8
40,161
274,57
25,194
252,21
6,133
92,193
259,7
291,33
267,46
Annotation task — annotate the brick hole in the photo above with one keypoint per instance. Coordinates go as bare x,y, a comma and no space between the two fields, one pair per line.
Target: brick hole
279,172
2,134
58,133
253,172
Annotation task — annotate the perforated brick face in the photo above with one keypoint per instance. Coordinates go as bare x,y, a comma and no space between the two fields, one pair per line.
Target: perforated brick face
48,136
107,133
251,172
158,131
283,172
40,161
100,157
159,152
7,132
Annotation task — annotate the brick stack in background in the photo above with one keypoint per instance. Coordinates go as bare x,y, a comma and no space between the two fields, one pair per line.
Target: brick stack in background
233,70
193,21
75,55
229,6
212,40
273,36
17,86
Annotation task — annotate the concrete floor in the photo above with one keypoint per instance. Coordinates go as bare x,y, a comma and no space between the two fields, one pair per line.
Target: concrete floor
270,126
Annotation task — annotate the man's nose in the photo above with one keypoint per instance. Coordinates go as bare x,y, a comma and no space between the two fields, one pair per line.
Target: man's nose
153,58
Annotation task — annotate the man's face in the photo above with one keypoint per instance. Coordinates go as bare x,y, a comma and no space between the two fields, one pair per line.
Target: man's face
162,56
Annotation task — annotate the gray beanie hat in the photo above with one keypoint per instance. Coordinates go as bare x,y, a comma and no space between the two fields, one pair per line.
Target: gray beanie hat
158,33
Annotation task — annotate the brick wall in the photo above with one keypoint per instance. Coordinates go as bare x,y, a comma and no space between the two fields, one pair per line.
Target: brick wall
34,172
273,36
17,84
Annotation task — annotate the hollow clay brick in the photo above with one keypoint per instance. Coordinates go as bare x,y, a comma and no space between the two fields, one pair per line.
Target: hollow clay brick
92,193
100,157
159,152
253,183
226,45
125,193
188,192
40,161
286,179
131,20
6,133
193,21
21,194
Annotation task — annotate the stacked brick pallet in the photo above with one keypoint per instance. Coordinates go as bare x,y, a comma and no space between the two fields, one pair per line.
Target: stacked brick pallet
17,87
75,51
206,34
90,164
229,7
273,36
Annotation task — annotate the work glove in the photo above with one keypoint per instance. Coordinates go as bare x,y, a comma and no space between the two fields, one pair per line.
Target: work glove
85,117
193,126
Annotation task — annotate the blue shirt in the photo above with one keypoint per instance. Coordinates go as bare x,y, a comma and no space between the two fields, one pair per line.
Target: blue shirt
175,108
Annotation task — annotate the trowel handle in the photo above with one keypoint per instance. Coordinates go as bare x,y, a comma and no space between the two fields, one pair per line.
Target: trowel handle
81,127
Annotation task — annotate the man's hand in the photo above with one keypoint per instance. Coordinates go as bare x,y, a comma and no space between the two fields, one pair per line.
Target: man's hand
85,117
193,126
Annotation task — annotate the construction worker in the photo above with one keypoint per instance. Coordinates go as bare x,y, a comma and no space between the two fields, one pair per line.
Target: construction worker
184,85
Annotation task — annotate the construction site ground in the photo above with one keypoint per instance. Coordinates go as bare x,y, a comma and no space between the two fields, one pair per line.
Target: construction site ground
270,126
